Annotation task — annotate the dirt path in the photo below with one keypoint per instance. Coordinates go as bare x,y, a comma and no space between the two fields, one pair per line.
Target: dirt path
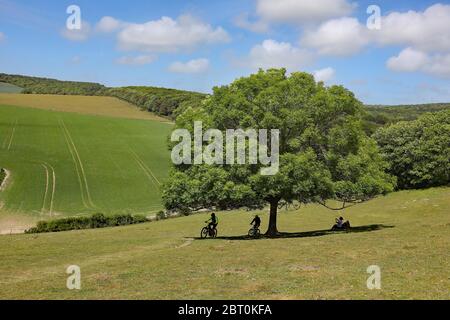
185,244
47,176
47,168
5,181
15,225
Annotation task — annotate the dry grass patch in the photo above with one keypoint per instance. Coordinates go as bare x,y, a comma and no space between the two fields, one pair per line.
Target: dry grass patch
102,106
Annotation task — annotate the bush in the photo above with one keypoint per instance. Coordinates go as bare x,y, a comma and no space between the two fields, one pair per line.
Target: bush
98,220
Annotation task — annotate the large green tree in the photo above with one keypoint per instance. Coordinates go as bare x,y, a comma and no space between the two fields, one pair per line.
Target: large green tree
418,151
324,153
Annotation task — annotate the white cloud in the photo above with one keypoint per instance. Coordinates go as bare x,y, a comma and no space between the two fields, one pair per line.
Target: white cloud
109,24
77,34
299,11
340,37
426,31
193,66
427,35
243,22
138,60
2,36
324,75
411,60
439,65
408,60
273,54
168,35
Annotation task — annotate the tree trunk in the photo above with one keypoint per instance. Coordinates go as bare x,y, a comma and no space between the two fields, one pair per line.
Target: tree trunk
272,231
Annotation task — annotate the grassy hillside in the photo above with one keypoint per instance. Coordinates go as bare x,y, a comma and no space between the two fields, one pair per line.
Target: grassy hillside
103,106
407,234
9,88
166,102
66,163
171,102
52,86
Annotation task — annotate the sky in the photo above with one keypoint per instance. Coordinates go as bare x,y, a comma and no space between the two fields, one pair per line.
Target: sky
399,56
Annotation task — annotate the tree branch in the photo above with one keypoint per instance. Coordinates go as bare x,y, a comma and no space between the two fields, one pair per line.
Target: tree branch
344,204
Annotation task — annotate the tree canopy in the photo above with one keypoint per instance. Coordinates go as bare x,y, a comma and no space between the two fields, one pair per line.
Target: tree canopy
418,151
324,152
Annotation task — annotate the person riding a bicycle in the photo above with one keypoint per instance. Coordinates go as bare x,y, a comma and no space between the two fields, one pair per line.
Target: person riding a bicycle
256,222
212,222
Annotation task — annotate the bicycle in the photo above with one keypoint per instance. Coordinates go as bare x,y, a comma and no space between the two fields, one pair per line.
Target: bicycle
207,231
254,232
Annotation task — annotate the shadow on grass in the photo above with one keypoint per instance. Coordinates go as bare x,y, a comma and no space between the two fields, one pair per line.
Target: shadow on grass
306,234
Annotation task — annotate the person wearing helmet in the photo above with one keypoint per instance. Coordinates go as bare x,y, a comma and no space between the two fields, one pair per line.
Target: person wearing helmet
212,222
256,222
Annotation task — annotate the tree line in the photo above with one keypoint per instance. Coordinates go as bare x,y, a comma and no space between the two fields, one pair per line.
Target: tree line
413,139
162,101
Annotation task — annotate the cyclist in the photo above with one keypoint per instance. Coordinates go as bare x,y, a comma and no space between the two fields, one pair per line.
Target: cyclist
213,222
256,222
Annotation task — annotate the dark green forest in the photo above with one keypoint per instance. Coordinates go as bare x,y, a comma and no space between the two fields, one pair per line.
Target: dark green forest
380,116
52,86
164,102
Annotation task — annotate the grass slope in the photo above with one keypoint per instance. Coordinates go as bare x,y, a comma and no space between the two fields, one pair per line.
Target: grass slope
103,106
67,164
9,88
162,260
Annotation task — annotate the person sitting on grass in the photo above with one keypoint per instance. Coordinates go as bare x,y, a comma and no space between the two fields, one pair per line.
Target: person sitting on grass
340,224
256,222
213,222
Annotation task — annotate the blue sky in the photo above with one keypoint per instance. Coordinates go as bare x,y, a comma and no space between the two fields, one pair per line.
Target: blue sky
197,44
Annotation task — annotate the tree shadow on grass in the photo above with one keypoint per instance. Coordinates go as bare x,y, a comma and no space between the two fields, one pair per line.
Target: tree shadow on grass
306,234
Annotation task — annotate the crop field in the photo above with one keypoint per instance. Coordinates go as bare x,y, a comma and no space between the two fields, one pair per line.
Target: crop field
103,106
406,234
63,163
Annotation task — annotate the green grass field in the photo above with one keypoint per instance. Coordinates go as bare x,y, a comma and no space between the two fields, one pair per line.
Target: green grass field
64,163
407,234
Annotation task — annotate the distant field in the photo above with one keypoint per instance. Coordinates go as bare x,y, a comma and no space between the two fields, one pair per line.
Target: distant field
407,234
104,106
9,88
69,164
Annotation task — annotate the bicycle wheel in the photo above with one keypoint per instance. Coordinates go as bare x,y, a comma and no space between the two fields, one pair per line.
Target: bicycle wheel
214,233
254,233
204,233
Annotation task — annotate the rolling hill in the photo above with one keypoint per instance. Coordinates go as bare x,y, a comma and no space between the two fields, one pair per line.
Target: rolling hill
171,102
9,88
162,101
67,163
